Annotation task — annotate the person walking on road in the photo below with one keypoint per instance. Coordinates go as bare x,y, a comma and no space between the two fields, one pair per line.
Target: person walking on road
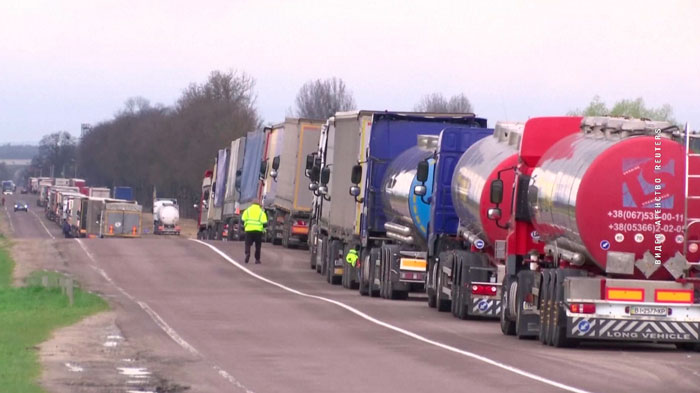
254,222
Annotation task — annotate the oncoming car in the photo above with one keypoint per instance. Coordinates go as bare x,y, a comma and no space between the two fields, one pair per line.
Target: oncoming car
21,205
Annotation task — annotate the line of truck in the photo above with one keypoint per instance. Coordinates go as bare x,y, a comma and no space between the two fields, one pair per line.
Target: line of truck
88,211
565,229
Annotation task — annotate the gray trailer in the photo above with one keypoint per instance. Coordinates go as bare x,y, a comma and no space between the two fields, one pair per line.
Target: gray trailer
231,210
341,146
120,219
286,195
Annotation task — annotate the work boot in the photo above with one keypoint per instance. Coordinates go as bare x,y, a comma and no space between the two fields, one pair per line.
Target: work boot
246,259
258,262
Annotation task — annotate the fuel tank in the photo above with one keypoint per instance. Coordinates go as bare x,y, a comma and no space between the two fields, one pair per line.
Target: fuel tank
614,194
407,214
478,166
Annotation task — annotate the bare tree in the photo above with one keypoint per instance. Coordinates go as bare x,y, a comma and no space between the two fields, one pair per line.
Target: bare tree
57,154
170,147
437,102
321,99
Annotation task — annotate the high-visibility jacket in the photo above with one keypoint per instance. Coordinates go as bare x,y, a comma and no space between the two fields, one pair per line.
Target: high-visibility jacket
352,257
254,218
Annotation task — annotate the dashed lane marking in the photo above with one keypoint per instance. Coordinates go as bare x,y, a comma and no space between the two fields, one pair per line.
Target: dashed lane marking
160,322
397,329
42,224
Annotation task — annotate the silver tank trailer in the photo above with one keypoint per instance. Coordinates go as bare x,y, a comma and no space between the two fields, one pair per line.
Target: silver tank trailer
397,190
476,169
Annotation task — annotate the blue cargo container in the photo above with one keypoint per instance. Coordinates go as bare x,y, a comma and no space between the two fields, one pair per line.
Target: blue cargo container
395,241
125,193
396,226
250,174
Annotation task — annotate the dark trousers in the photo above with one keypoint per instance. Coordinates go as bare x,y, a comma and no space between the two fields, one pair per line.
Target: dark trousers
250,237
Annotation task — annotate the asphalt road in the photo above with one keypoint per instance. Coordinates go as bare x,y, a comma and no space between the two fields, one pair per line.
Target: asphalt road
241,333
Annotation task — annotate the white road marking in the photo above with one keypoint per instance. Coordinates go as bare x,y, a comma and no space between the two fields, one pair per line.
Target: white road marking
42,224
397,329
160,322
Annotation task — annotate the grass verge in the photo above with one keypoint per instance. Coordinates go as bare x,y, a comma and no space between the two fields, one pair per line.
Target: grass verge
27,317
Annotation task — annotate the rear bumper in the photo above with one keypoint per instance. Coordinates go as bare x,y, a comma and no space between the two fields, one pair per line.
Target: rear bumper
585,327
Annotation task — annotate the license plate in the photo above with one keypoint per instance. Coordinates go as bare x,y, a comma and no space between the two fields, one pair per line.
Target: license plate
649,310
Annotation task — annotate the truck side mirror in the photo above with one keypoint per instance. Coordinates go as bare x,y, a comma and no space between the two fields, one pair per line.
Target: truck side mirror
315,173
276,163
420,190
496,191
354,191
325,175
263,169
309,163
422,172
356,175
313,187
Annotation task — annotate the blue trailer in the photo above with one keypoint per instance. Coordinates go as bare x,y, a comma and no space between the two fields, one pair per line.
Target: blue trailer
123,192
247,181
392,223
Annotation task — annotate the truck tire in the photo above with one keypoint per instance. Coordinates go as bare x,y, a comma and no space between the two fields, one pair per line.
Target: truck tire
545,306
390,292
455,294
312,251
334,250
285,235
507,325
559,338
430,284
321,255
363,285
374,255
441,302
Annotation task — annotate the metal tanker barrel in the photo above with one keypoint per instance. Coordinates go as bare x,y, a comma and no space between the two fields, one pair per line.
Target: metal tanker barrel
407,214
476,169
612,196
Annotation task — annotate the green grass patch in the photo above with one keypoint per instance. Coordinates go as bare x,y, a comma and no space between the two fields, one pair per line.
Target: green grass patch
27,317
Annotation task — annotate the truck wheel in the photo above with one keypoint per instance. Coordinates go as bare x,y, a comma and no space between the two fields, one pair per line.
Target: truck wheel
545,307
374,255
286,232
559,338
320,254
507,326
455,287
442,303
364,266
334,249
430,285
312,250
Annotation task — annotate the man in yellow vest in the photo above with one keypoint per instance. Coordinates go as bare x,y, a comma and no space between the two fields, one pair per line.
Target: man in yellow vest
254,222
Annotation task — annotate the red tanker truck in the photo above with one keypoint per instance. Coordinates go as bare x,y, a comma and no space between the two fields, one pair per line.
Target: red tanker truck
598,245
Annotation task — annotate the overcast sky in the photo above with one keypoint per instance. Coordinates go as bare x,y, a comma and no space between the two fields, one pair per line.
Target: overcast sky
63,63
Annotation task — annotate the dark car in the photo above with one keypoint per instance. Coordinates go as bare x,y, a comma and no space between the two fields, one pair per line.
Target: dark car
21,205
24,190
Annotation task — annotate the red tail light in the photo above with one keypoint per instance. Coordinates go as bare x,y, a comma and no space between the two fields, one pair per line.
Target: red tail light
582,308
484,289
226,226
300,223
